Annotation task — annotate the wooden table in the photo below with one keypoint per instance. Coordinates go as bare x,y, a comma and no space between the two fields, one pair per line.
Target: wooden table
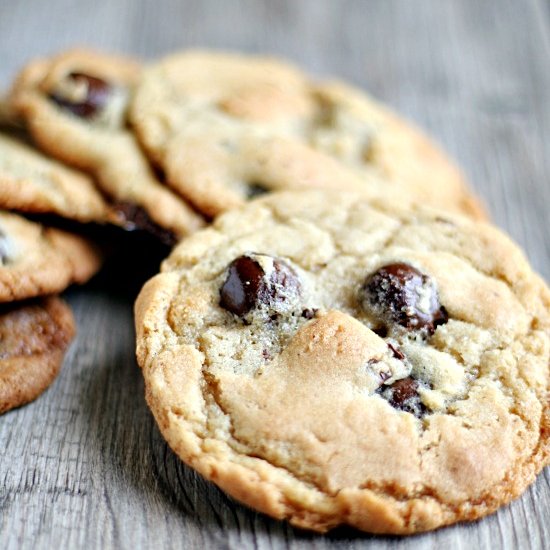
85,466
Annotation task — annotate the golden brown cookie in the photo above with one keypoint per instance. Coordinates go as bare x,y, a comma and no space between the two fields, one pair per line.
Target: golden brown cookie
34,337
31,182
74,105
227,127
37,260
331,360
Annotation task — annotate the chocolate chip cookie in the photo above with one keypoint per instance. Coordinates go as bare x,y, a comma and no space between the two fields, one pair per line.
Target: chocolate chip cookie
331,360
74,105
31,182
34,336
227,127
36,260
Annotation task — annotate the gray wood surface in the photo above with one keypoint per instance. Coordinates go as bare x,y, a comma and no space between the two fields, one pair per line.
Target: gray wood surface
85,466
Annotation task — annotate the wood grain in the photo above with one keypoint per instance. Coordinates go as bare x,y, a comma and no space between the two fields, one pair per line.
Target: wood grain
84,466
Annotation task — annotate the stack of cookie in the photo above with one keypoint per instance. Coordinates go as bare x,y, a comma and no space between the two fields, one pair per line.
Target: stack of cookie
76,119
348,342
37,262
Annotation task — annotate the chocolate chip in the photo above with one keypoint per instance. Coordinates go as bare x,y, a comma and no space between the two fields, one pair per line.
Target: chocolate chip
384,375
401,294
135,218
243,285
309,313
403,395
380,331
97,93
402,391
256,190
247,285
397,353
283,280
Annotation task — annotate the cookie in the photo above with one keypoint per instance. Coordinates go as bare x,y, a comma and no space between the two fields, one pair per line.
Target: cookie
31,182
6,118
34,336
226,127
329,360
36,260
74,105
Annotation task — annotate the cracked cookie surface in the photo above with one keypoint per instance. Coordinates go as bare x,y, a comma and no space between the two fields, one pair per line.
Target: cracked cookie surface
74,105
34,336
227,127
332,360
37,260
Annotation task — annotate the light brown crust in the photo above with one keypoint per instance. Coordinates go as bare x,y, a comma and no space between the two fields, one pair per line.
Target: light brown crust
35,336
7,118
36,260
106,148
221,124
299,436
31,182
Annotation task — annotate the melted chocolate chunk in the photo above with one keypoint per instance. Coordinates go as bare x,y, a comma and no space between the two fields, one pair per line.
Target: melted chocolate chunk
97,95
136,218
256,190
403,395
247,286
243,287
401,294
